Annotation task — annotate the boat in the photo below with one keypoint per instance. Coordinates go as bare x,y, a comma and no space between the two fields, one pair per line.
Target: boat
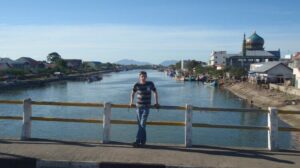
170,73
94,78
179,78
190,78
202,78
211,83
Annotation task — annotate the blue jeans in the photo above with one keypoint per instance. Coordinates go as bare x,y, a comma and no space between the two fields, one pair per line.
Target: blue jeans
142,115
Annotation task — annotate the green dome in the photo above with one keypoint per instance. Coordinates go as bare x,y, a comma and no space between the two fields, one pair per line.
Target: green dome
254,42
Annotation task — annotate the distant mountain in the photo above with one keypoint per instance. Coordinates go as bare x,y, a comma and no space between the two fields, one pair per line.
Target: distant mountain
131,62
168,62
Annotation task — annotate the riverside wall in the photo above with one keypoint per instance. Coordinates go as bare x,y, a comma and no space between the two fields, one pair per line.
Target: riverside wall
286,89
264,98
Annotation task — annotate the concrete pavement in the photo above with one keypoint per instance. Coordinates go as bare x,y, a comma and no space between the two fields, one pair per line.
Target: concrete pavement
59,154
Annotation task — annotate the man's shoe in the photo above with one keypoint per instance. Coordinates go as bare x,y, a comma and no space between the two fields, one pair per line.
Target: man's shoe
135,144
143,144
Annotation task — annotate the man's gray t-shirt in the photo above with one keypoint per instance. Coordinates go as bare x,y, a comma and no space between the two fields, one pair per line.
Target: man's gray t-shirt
144,93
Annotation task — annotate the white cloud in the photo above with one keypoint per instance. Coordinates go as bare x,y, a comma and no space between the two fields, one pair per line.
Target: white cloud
114,42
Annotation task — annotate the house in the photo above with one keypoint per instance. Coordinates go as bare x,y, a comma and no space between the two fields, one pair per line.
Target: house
5,63
23,63
296,69
4,66
73,63
51,66
270,72
6,60
28,63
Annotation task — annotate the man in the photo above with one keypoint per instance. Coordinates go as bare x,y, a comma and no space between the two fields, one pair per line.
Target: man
143,89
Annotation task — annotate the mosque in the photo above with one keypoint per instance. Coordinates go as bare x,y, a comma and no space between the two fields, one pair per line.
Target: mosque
252,52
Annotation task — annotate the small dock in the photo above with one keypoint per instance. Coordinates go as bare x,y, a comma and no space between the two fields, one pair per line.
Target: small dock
37,153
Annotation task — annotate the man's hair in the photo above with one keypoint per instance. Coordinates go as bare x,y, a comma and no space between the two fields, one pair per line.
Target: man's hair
143,73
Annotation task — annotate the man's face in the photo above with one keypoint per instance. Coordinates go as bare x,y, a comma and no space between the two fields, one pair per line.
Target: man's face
143,78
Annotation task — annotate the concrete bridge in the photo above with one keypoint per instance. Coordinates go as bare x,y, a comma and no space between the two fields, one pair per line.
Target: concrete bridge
30,152
38,153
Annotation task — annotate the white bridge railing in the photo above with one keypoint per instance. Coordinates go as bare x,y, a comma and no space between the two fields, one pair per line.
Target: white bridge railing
106,120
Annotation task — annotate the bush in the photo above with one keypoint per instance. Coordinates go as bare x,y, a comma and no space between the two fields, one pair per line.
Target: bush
14,72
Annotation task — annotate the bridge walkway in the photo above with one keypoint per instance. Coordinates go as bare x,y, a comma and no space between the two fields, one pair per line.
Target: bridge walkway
52,153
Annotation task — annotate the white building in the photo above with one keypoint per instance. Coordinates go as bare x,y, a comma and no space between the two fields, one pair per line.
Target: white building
288,56
296,69
218,58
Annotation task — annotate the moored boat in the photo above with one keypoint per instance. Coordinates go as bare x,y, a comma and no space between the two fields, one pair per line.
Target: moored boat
190,78
211,83
94,78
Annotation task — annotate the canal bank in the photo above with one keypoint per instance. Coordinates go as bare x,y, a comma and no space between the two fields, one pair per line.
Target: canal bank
264,98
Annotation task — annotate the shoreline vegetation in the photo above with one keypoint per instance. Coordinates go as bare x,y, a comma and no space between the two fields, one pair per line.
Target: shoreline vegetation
12,84
264,98
43,79
27,72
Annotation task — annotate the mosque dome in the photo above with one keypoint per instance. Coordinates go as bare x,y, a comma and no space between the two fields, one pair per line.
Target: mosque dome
255,42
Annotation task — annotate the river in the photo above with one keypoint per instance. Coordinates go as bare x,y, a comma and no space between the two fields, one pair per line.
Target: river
116,88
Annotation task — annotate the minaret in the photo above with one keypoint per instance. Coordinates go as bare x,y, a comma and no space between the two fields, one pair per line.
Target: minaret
244,46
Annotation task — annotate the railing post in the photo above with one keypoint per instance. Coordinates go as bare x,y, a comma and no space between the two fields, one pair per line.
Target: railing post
106,122
26,127
188,125
273,129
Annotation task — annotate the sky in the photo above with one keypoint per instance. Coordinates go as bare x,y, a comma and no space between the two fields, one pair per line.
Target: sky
144,30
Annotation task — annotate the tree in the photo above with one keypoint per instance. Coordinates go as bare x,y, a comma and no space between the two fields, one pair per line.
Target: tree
109,65
236,72
178,65
87,67
191,64
200,69
61,63
53,57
